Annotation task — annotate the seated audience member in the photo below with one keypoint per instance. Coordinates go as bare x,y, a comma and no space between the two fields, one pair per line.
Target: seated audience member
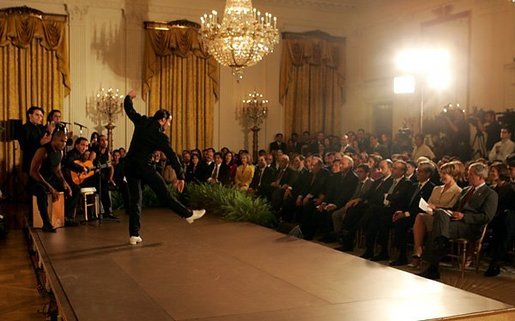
185,159
442,197
338,190
220,174
403,219
339,216
46,176
278,143
396,199
362,214
263,177
504,147
503,224
386,141
294,146
244,172
345,147
317,144
271,161
165,169
373,162
377,148
283,182
231,164
194,172
477,206
207,165
310,194
411,171
122,152
421,149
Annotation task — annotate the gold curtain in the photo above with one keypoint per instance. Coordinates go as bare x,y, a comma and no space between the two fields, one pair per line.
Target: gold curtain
312,82
181,76
33,66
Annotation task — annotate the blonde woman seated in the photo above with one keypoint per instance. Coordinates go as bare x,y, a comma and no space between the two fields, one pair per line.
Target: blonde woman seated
244,173
443,196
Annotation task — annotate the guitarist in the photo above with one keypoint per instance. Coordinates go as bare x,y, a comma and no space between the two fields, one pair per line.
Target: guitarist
101,157
78,153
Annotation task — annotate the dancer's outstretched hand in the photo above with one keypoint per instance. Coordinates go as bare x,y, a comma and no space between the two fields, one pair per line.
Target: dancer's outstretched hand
180,185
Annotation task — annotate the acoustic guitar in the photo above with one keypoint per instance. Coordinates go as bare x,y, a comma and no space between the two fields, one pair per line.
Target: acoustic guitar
79,178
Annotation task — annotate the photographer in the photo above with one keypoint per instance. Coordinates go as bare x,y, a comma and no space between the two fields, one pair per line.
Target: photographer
491,127
458,132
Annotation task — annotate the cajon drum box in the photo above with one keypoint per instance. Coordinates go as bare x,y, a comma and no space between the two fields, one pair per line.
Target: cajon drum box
55,211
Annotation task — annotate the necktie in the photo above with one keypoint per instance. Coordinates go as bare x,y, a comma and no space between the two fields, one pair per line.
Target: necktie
392,188
215,172
261,176
467,198
417,191
280,176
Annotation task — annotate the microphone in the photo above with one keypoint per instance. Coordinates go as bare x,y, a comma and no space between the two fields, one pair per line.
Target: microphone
64,122
80,125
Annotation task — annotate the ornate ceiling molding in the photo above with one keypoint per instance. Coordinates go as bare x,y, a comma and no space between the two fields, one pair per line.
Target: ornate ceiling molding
317,4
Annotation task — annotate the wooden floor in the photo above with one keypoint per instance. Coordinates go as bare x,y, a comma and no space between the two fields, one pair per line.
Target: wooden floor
214,270
19,297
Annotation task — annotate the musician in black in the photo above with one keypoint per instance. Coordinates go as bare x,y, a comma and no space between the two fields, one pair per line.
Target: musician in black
33,135
78,153
46,176
149,136
101,157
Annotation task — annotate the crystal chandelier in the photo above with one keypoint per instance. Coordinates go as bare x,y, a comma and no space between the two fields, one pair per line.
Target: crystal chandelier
243,38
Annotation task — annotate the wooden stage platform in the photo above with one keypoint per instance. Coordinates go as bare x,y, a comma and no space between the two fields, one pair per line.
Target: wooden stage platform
216,270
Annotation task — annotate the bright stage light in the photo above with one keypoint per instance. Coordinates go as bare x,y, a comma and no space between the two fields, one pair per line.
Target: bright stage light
404,85
430,65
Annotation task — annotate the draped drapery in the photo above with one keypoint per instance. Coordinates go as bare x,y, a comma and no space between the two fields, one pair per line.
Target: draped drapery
312,82
34,67
180,76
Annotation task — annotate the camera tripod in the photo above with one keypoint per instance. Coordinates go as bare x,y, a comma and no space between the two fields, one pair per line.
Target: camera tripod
479,146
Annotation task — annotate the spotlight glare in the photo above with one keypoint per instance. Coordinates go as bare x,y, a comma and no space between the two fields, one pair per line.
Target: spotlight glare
404,85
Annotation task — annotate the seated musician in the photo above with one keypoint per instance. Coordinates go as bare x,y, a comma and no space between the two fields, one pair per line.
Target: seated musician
46,176
77,171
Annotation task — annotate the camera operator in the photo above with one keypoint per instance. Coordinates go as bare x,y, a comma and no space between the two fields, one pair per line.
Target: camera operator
491,127
457,130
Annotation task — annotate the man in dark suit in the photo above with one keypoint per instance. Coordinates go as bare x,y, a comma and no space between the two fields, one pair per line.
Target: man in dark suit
396,199
263,177
477,206
278,143
309,195
337,194
370,205
403,219
340,215
220,173
283,182
207,165
345,147
294,146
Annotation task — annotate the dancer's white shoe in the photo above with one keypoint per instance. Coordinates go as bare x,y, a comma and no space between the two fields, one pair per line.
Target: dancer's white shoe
135,240
195,216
